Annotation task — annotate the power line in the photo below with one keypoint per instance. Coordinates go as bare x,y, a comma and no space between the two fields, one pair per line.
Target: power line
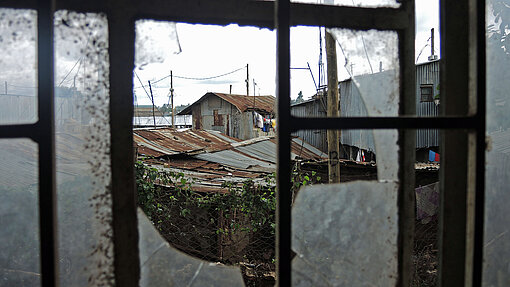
65,77
149,96
193,78
209,78
365,47
421,51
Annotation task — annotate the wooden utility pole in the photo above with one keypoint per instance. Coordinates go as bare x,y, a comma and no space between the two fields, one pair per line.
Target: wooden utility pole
172,97
152,99
432,43
333,111
247,81
253,93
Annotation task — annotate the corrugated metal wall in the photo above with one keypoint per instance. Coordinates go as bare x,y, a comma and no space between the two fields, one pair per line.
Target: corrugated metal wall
427,73
314,108
352,105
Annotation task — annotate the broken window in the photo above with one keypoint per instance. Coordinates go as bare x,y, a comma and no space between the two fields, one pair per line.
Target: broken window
497,198
95,157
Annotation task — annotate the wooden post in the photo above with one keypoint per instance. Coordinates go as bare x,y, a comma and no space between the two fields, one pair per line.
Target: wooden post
333,136
432,43
247,81
152,99
172,98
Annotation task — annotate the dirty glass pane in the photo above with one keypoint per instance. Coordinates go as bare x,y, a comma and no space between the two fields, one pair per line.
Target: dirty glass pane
332,225
83,149
497,196
155,41
345,235
368,70
355,3
19,214
163,265
371,60
18,77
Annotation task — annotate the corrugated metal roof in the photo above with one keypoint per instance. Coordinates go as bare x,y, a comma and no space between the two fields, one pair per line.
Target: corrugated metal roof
228,154
208,177
237,160
241,102
306,150
167,141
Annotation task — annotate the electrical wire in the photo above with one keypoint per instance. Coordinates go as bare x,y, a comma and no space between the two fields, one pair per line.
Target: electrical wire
192,78
65,77
365,47
150,96
421,51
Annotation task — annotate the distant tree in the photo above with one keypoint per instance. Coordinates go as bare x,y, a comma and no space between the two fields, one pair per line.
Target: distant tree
179,108
166,109
298,100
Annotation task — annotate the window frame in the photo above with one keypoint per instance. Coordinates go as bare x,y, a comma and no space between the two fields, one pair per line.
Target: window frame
426,98
463,67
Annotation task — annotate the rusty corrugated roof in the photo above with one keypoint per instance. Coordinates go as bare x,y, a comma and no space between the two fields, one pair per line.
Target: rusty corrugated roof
167,141
241,102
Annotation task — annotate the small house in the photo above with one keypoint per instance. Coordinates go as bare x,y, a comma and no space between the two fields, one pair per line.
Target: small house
238,116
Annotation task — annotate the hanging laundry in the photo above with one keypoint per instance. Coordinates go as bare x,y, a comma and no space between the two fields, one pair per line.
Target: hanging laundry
360,156
433,156
259,120
267,124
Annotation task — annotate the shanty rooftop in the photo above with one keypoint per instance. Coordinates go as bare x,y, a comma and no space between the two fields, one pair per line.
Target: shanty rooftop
241,102
211,158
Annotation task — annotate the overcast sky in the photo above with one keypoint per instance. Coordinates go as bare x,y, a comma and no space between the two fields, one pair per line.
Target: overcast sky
208,51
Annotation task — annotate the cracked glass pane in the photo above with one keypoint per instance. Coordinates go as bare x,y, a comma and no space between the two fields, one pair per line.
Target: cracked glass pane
18,79
163,265
355,3
332,225
19,213
371,61
83,149
155,42
497,198
333,228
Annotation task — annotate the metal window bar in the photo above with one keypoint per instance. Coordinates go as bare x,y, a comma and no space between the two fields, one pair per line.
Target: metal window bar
479,209
42,132
257,13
